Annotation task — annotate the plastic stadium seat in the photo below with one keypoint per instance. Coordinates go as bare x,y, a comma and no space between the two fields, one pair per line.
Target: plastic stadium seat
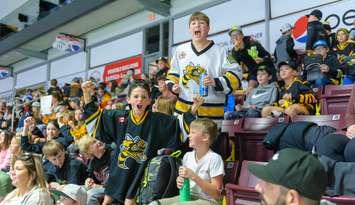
341,200
329,120
249,136
244,193
335,98
229,127
231,169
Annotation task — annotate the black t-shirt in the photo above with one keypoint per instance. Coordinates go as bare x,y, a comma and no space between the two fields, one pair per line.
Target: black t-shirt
73,171
99,168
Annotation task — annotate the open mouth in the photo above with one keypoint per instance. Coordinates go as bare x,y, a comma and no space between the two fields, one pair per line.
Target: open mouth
139,106
197,32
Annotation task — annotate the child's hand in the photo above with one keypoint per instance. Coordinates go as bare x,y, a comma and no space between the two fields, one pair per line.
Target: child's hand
89,183
88,87
350,131
238,107
130,202
179,182
287,96
186,172
209,81
198,101
324,68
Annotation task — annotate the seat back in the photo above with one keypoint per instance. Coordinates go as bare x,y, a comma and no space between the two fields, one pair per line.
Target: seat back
229,127
244,193
341,200
231,169
333,120
246,178
335,98
251,133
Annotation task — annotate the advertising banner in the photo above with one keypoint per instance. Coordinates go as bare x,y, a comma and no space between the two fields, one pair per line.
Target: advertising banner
117,70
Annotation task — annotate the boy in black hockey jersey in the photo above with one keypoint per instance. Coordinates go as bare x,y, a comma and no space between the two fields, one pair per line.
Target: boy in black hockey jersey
296,96
138,134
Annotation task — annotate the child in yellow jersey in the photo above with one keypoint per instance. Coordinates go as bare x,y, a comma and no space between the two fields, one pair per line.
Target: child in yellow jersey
296,96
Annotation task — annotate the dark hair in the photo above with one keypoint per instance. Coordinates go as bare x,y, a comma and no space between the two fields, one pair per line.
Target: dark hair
7,140
139,83
57,95
113,85
54,82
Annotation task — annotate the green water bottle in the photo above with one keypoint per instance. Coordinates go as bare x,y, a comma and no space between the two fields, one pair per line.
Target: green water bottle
185,191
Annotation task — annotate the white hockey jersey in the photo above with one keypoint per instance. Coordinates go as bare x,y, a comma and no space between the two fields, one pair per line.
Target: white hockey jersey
186,66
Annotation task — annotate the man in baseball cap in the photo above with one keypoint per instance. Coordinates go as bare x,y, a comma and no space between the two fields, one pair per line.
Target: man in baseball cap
71,194
292,176
316,13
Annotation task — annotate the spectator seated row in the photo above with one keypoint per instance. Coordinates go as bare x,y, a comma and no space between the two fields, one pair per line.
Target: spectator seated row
243,192
248,133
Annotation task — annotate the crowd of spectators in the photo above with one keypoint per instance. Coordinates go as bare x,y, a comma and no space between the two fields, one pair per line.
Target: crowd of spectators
55,150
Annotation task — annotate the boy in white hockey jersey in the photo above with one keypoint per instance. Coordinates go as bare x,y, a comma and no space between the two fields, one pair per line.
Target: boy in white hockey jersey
198,56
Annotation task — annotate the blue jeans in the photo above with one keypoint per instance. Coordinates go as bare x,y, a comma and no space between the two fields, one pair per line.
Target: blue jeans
244,113
321,82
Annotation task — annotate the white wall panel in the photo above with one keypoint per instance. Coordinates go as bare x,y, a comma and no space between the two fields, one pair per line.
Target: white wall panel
31,77
282,7
223,16
121,48
69,78
335,14
71,64
8,6
97,73
6,84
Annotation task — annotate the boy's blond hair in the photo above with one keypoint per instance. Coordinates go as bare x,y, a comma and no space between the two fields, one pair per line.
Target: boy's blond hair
199,16
84,143
207,126
52,148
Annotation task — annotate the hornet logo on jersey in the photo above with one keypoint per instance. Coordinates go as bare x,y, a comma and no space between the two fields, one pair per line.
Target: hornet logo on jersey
131,147
192,72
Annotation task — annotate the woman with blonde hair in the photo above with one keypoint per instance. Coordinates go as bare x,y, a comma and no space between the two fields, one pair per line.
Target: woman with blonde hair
28,178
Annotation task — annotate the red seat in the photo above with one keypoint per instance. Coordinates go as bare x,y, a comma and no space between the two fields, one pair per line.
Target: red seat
330,120
335,98
229,127
244,193
341,200
249,136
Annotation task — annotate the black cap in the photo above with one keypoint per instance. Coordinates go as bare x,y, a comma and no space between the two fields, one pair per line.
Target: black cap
291,64
161,59
294,169
317,13
264,67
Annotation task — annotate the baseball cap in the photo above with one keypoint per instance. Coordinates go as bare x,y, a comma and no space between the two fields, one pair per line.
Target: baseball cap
294,169
74,192
264,67
320,43
285,27
289,63
161,59
235,28
317,13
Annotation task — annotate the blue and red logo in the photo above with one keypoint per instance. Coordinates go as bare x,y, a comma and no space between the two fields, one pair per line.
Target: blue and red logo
299,31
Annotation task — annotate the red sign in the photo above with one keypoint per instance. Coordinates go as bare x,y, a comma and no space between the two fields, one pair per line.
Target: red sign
117,70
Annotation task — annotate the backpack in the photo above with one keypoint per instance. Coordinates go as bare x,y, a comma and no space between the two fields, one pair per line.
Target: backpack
159,179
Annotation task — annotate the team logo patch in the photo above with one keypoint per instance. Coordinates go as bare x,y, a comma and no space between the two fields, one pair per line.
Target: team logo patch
192,72
182,55
131,147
